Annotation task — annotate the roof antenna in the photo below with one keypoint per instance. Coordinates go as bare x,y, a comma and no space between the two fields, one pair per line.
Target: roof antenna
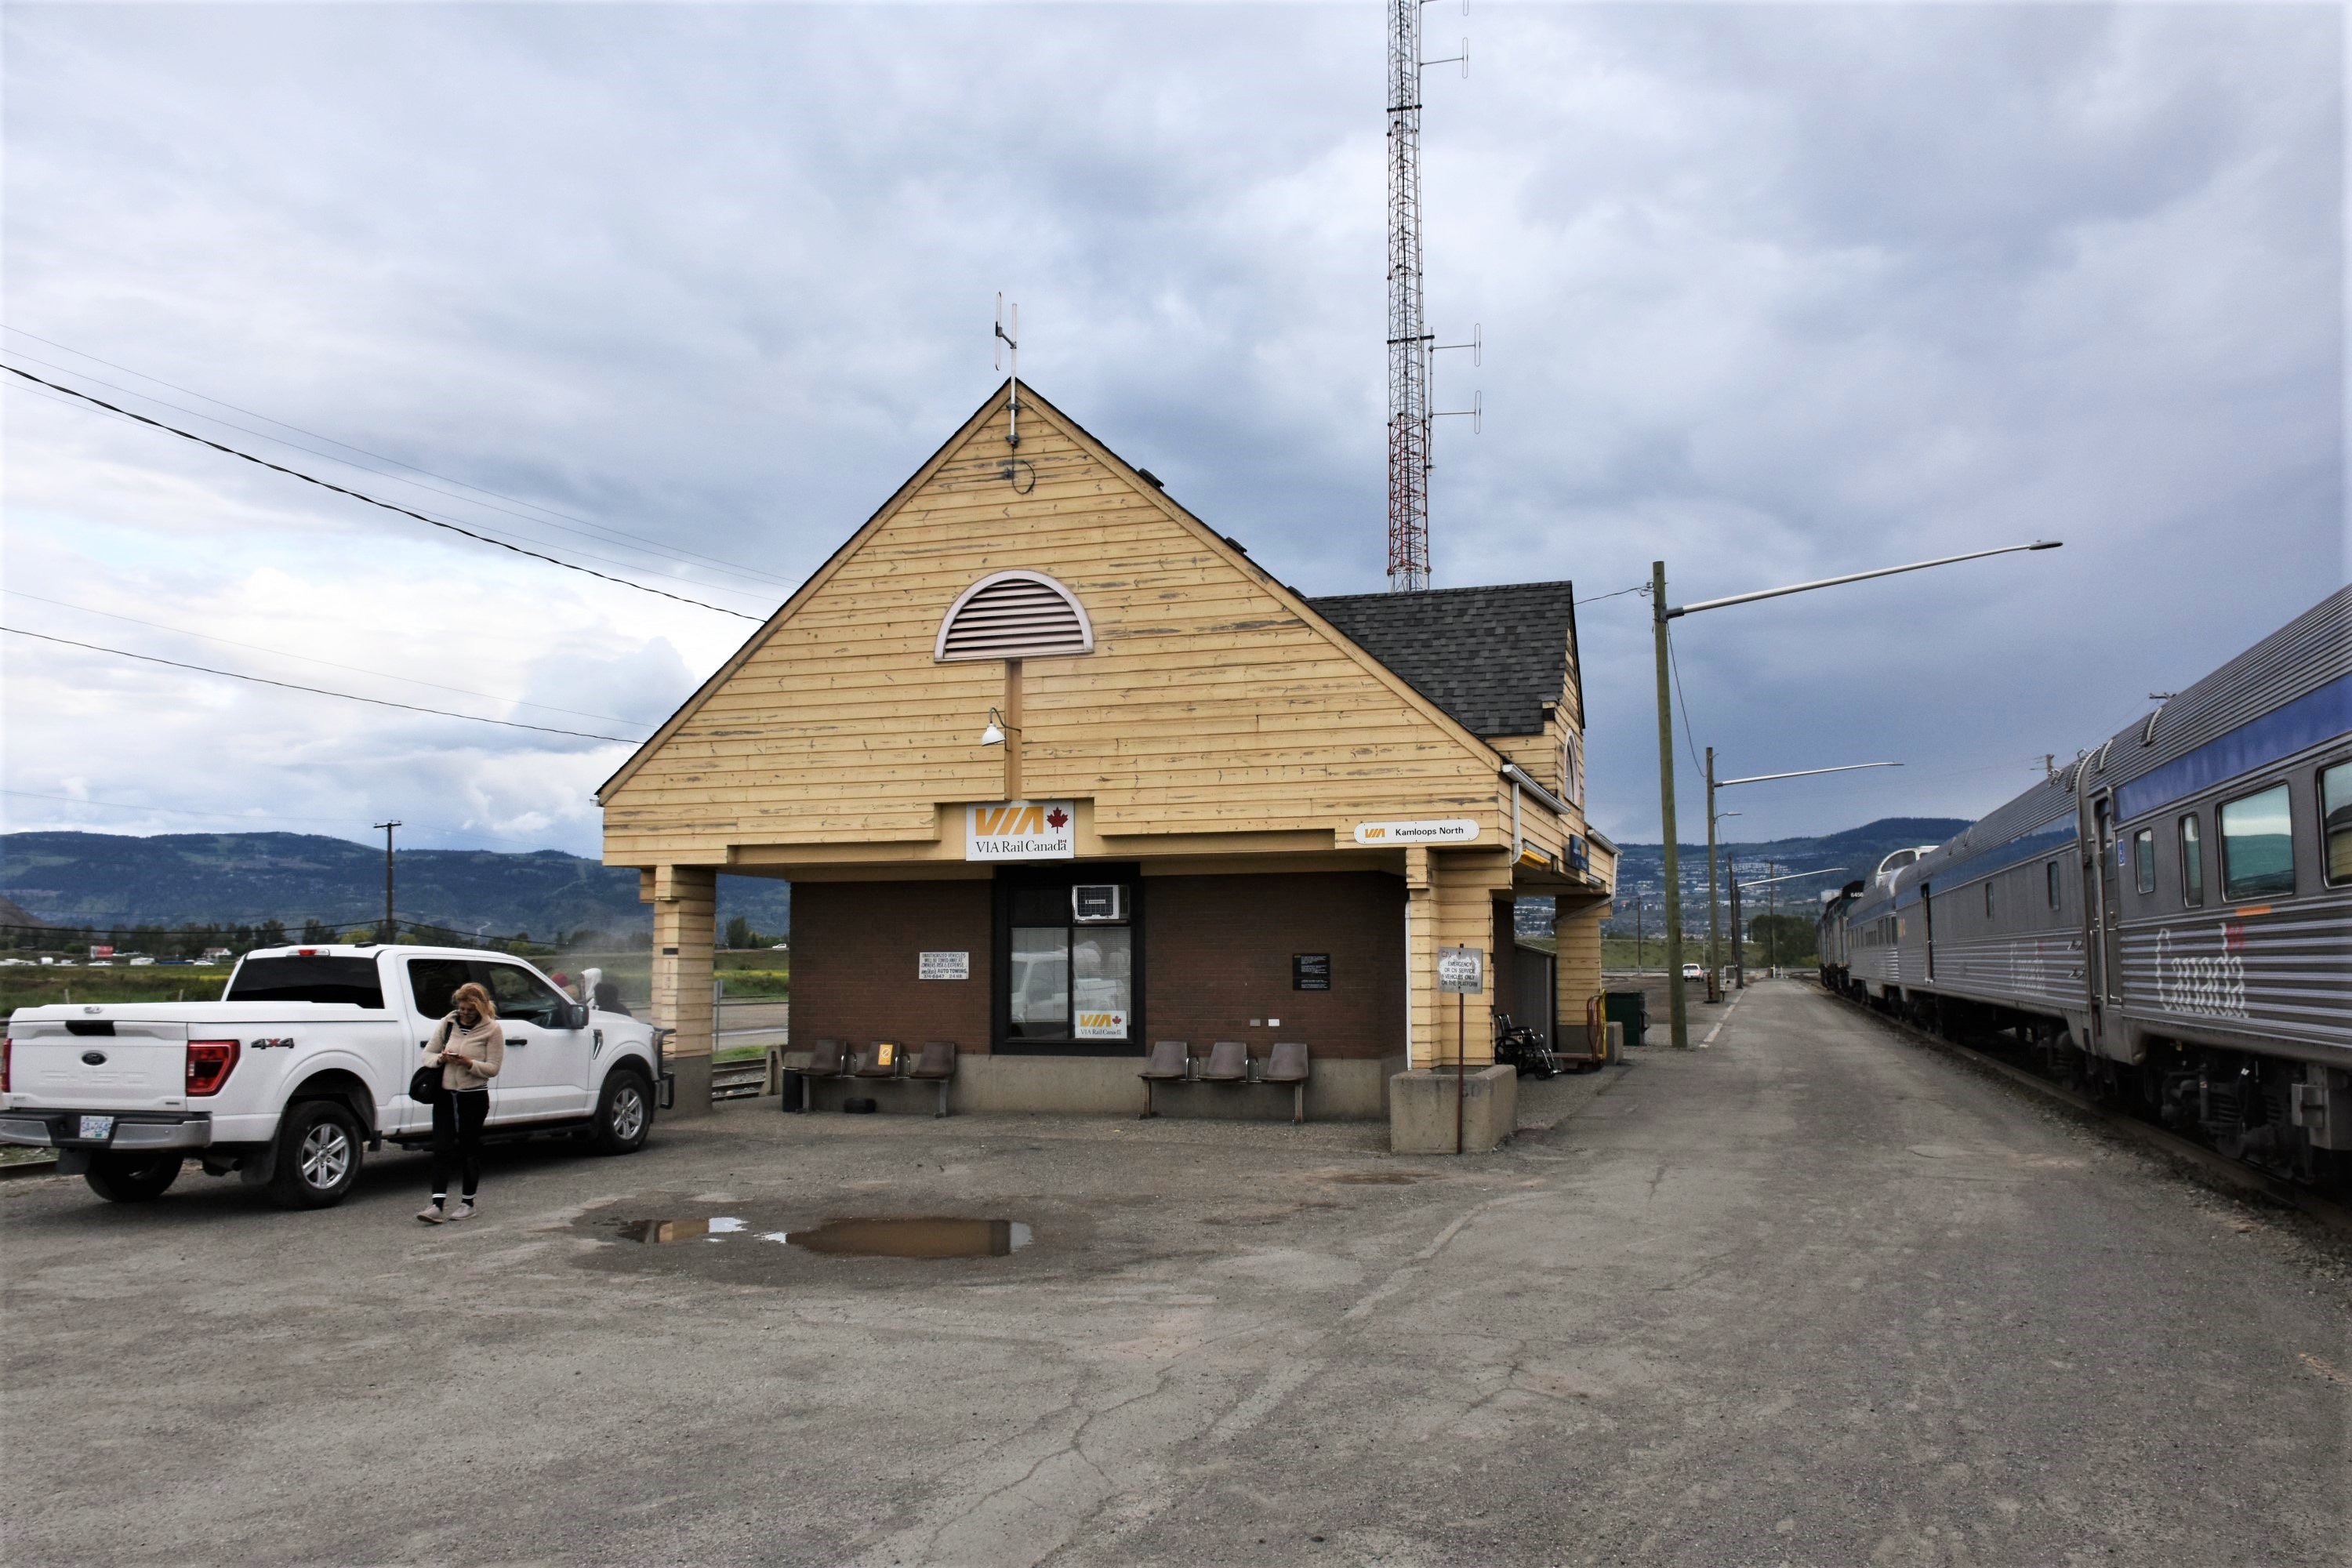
1010,339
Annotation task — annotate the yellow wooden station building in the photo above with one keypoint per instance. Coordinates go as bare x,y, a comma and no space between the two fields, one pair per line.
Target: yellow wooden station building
1058,772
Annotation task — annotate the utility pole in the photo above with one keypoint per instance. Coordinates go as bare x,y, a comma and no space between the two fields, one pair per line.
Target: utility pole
1675,1010
1738,941
1772,920
1713,960
391,925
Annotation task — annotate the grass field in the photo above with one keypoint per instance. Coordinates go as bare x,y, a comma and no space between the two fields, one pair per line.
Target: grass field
49,984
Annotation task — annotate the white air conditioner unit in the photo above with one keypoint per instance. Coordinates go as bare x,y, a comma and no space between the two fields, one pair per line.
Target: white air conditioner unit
1097,903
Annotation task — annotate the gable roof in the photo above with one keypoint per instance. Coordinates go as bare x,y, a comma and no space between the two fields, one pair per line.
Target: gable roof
1490,656
1150,489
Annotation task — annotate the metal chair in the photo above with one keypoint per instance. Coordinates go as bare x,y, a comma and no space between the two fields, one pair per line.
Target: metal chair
882,1058
1288,1065
1229,1062
830,1059
1171,1062
936,1064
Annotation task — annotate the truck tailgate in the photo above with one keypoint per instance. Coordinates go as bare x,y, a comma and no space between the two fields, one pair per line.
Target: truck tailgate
101,1065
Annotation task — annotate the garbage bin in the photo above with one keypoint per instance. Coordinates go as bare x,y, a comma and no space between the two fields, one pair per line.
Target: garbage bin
1631,1008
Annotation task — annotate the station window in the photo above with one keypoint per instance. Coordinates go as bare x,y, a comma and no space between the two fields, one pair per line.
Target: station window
2336,822
2258,845
2144,860
2193,863
1070,966
2050,874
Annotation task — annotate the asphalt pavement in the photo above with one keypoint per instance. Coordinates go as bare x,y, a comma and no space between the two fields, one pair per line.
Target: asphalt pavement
1815,1295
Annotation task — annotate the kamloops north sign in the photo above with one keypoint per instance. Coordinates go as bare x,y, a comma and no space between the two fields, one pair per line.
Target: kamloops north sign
1020,830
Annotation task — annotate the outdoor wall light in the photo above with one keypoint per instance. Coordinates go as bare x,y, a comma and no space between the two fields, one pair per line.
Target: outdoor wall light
994,734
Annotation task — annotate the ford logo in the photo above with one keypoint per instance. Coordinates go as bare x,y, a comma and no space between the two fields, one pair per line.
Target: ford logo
94,1058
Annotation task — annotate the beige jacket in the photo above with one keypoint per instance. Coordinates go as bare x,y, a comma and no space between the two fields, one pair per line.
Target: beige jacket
468,1058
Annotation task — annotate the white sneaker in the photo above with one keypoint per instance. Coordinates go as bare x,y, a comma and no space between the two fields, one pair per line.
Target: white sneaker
431,1214
464,1210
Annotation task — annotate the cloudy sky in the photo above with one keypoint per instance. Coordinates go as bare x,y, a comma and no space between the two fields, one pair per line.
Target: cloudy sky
682,293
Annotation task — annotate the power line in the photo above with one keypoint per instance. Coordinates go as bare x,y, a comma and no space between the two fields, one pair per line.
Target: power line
1636,588
313,451
656,545
308,659
1690,732
318,690
371,500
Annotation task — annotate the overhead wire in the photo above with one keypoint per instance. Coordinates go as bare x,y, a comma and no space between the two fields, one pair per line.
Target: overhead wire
397,479
656,546
371,500
318,690
309,658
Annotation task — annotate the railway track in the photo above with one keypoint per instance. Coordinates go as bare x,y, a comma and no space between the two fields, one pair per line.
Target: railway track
738,1081
2222,1170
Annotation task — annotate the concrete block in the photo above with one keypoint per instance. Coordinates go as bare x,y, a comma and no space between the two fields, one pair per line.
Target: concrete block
1616,1050
693,1087
1422,1110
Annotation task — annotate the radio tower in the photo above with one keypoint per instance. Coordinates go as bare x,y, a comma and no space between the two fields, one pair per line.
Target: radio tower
1408,342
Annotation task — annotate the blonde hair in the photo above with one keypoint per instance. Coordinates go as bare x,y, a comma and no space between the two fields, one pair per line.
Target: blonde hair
472,991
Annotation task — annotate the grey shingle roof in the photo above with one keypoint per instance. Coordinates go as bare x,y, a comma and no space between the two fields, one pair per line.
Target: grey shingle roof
1490,656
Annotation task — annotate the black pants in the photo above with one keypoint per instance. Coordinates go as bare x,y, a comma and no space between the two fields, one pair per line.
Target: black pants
457,1137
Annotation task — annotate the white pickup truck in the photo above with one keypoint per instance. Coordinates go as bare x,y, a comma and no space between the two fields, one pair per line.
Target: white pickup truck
302,1064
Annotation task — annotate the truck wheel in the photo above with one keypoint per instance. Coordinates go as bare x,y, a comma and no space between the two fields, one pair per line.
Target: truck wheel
133,1178
318,1155
625,1112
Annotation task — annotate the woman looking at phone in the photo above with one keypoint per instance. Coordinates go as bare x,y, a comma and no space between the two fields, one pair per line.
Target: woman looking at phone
468,1048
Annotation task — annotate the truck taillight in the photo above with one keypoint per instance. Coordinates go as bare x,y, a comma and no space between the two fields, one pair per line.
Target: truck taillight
209,1064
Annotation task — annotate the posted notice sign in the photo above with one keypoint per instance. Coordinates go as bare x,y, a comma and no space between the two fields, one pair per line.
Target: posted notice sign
1020,830
943,966
1429,830
1461,969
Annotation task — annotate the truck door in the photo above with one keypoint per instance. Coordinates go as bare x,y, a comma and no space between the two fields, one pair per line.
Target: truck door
546,1069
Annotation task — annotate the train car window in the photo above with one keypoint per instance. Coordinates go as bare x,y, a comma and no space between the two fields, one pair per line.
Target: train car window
2335,823
2144,860
1988,898
2258,844
2193,863
2050,876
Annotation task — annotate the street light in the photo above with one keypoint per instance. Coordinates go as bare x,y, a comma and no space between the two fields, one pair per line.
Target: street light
1714,979
1660,614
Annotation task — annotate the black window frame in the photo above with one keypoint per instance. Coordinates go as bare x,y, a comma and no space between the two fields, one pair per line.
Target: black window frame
2189,834
2142,850
2054,882
2221,837
1066,874
2319,800
1988,898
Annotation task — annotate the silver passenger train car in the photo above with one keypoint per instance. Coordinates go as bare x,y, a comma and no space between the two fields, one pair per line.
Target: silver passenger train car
2168,919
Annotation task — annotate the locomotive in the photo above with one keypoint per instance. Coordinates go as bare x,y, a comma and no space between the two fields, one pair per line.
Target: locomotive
2165,921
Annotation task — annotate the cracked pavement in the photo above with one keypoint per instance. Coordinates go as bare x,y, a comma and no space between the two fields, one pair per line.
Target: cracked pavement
1814,1296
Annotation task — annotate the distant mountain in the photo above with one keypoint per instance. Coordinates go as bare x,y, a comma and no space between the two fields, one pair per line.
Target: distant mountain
240,879
1857,849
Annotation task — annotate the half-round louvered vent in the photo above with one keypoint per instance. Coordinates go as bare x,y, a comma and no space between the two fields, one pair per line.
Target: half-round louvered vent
1014,614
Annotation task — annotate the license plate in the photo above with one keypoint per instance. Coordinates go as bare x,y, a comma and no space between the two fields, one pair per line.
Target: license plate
101,1128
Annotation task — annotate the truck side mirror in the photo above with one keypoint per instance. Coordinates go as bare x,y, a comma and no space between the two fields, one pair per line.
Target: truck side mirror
576,1015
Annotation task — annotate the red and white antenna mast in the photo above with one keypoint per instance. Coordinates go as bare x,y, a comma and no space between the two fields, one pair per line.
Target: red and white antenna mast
1410,344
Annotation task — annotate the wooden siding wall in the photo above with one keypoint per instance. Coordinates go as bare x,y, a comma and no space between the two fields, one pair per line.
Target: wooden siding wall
1207,706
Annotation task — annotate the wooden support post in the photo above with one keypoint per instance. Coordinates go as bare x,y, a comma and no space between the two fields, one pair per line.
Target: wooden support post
1012,783
685,910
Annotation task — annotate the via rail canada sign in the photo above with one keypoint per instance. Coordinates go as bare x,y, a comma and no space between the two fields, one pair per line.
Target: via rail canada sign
1020,830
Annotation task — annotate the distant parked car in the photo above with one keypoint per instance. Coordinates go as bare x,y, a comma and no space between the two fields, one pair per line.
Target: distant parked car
1694,972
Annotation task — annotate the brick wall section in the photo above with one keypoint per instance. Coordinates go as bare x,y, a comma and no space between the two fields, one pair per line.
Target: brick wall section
1218,950
854,962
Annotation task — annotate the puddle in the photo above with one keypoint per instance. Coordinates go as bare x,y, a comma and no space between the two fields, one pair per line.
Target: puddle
663,1232
911,1238
848,1238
